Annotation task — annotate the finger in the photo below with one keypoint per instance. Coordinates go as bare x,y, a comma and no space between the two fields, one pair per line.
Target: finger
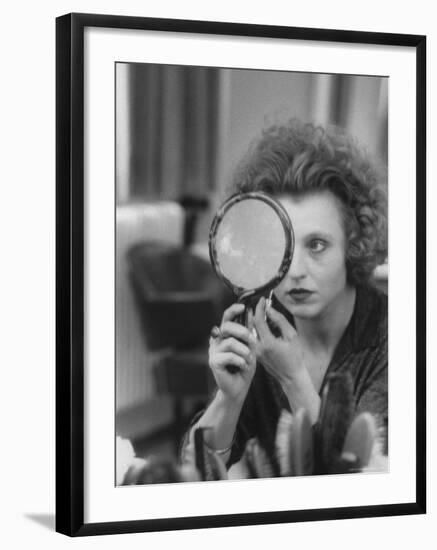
287,330
236,330
233,311
223,359
260,322
250,319
235,346
251,328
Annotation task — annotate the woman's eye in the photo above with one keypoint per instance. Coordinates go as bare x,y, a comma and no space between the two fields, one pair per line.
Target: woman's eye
317,245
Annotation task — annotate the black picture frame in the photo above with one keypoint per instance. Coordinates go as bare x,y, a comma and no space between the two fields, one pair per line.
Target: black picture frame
70,272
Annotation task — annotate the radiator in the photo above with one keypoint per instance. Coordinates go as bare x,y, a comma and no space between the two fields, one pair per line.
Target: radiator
161,221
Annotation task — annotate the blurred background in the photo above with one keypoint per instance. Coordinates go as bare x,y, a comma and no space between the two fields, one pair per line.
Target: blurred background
180,131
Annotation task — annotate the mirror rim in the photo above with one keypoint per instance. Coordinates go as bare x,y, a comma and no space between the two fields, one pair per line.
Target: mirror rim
289,241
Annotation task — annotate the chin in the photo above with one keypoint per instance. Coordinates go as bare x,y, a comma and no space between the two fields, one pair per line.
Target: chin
305,311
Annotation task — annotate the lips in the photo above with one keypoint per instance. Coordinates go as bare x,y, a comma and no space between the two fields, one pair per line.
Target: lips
300,294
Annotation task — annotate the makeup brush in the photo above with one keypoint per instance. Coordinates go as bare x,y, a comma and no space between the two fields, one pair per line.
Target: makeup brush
257,461
347,463
283,443
301,447
360,438
336,413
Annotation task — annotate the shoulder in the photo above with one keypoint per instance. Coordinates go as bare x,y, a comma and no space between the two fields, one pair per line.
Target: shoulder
364,350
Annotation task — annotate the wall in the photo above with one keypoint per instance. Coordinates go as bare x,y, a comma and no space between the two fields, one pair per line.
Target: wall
258,97
27,232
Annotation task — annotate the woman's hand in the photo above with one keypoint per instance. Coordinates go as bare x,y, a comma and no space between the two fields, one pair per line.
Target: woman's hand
282,356
234,347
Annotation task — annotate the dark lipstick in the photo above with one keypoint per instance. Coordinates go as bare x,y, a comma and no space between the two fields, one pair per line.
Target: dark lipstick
300,294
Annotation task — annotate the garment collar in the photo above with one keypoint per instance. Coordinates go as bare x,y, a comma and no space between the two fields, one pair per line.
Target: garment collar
362,330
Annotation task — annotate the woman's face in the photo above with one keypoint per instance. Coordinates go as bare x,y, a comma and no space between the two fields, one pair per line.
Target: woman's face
316,280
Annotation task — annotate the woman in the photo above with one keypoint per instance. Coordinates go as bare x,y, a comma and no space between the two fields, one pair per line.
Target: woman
327,316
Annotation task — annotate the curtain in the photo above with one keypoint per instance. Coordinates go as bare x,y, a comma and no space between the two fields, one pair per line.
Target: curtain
167,126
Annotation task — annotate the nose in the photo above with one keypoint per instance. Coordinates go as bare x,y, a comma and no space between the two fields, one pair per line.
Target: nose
298,270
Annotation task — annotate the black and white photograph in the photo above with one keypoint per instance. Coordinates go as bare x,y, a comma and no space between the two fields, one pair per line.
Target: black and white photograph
240,261
251,274
216,275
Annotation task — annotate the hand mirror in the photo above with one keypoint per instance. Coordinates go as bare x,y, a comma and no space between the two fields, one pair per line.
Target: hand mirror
251,245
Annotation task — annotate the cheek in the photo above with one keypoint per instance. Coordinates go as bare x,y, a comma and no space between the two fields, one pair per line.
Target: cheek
332,269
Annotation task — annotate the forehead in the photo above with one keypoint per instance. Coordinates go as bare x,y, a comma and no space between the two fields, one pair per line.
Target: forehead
314,212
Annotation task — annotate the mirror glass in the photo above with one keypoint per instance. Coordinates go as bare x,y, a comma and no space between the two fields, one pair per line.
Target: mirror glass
251,242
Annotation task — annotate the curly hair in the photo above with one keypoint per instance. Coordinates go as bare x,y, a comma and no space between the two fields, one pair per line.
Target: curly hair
298,158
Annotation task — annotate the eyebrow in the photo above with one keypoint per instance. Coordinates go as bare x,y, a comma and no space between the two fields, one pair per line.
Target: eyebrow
319,234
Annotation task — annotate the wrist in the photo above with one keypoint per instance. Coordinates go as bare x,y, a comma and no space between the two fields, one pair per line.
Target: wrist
294,379
230,402
221,418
